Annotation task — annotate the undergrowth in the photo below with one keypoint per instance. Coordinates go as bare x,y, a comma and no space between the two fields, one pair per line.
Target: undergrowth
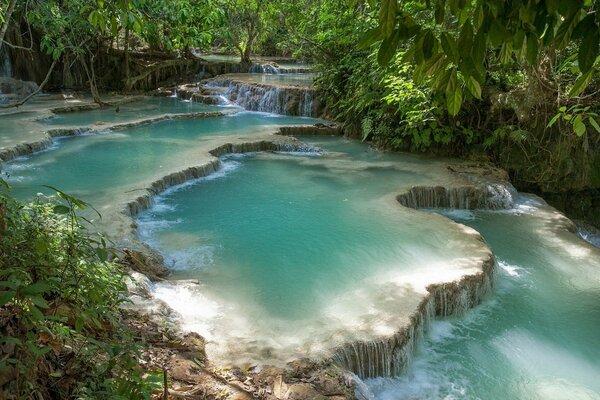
61,334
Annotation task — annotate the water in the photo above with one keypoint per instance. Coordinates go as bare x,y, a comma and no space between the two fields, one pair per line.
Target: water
91,166
537,338
5,66
296,254
297,79
148,107
269,93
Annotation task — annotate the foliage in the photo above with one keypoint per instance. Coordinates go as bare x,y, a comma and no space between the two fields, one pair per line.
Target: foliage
181,24
384,104
575,118
59,307
247,20
449,39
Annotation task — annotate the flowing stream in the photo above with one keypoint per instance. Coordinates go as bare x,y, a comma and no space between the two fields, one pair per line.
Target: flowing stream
536,338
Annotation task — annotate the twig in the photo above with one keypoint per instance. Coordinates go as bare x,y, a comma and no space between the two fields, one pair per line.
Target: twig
14,46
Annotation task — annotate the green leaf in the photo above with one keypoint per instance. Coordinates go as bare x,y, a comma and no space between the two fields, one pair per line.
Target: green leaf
387,17
61,209
465,40
532,49
449,46
440,11
79,323
370,37
553,120
428,44
4,184
6,297
453,95
581,83
578,126
474,87
585,26
479,47
39,301
36,288
387,50
588,51
478,16
594,124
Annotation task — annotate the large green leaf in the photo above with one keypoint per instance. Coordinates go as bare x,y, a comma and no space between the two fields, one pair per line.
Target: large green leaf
387,49
465,40
387,16
532,48
588,51
581,83
370,37
428,44
440,11
474,87
449,46
453,95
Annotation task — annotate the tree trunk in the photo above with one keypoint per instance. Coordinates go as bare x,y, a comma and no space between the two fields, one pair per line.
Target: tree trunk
9,11
127,59
91,75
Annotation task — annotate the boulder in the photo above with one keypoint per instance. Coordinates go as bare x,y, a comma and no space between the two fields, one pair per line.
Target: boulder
19,88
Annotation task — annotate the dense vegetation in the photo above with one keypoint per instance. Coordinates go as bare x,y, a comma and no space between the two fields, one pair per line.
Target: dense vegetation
62,334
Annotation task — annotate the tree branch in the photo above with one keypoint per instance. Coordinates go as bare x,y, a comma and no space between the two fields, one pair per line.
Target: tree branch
9,11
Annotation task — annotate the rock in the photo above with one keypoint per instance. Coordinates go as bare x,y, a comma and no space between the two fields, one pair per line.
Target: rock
303,366
267,376
17,87
302,391
138,284
148,263
280,388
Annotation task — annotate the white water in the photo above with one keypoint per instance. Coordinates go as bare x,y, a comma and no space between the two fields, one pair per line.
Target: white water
5,65
536,338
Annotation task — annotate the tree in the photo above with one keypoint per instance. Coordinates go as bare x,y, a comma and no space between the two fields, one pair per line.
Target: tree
246,21
448,40
5,18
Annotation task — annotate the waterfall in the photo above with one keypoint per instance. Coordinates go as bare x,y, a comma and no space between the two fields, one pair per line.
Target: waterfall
272,69
391,356
5,65
263,69
492,196
265,98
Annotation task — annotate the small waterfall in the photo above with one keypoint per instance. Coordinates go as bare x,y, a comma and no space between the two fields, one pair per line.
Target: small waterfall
276,70
489,197
307,106
265,98
5,65
263,69
391,356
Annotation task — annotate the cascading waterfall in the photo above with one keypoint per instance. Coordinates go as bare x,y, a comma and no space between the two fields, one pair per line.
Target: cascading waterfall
491,197
5,65
263,69
272,99
276,70
391,356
